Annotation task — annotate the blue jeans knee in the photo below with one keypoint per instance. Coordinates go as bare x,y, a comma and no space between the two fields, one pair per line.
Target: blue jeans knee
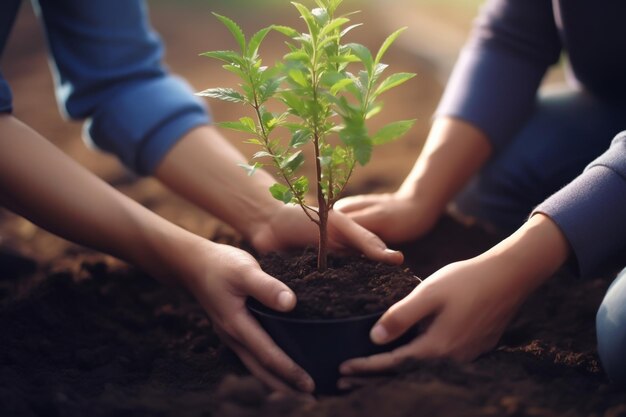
611,330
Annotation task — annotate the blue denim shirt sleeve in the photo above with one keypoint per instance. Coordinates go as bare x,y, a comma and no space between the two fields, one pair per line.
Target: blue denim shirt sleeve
107,69
495,80
591,210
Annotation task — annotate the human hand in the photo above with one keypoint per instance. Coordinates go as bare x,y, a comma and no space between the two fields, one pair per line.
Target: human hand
289,227
469,302
395,217
221,277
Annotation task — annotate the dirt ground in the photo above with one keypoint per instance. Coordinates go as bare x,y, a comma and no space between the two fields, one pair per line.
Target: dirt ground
84,334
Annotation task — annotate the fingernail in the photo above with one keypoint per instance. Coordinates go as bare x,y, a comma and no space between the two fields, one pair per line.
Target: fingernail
286,300
379,334
387,250
306,385
344,385
345,369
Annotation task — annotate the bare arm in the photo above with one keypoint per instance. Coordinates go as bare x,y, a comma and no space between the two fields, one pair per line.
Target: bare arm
38,181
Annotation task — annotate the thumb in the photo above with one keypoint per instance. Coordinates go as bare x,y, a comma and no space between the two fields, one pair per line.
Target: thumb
269,291
402,316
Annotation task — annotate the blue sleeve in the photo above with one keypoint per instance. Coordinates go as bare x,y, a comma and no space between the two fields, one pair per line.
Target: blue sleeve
6,98
107,69
591,210
494,83
8,11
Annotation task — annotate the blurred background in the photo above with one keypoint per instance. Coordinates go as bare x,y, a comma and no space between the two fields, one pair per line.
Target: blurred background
436,32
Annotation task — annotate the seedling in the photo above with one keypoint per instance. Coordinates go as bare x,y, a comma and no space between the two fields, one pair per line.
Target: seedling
322,97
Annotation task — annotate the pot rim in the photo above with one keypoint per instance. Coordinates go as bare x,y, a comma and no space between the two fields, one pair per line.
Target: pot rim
266,312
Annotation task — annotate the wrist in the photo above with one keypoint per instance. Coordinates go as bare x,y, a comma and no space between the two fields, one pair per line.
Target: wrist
534,252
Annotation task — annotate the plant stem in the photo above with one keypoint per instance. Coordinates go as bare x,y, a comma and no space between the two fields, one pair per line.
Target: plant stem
322,249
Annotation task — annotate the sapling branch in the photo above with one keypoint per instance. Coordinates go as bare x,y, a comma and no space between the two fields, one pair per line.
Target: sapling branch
321,98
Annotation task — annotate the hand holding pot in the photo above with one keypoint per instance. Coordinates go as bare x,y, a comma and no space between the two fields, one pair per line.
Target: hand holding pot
221,280
470,302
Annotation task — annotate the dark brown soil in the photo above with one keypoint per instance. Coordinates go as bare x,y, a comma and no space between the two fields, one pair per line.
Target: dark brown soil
85,335
352,286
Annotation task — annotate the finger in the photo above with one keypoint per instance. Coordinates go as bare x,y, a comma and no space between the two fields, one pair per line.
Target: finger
268,290
374,219
400,317
365,241
255,340
255,367
356,202
421,348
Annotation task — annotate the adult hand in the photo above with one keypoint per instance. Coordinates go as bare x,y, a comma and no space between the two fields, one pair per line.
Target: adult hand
395,217
221,277
470,302
289,227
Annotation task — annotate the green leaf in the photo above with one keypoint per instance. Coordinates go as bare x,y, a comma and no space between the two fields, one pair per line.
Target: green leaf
235,30
238,126
297,56
392,81
251,169
364,55
301,186
308,17
298,77
349,28
230,57
253,142
354,135
340,86
235,69
333,25
293,102
281,193
387,43
255,41
392,131
225,94
300,137
286,30
262,154
321,15
249,123
293,162
268,88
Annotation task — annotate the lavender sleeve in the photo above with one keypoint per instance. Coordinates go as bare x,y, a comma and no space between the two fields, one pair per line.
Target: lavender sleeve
495,80
591,210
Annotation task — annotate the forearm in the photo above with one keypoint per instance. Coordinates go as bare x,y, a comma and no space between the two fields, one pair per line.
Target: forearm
202,167
531,255
453,153
39,182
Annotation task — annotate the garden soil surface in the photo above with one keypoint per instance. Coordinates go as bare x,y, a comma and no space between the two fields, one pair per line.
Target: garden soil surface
86,335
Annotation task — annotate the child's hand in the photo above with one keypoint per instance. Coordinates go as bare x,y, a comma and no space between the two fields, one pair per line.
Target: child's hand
289,227
221,277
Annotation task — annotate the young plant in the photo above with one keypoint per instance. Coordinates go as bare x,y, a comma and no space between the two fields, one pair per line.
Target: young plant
322,98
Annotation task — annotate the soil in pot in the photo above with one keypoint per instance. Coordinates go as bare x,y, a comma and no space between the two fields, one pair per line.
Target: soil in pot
335,311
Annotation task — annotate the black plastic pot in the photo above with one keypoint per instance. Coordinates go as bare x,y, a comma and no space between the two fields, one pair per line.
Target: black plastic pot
321,345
